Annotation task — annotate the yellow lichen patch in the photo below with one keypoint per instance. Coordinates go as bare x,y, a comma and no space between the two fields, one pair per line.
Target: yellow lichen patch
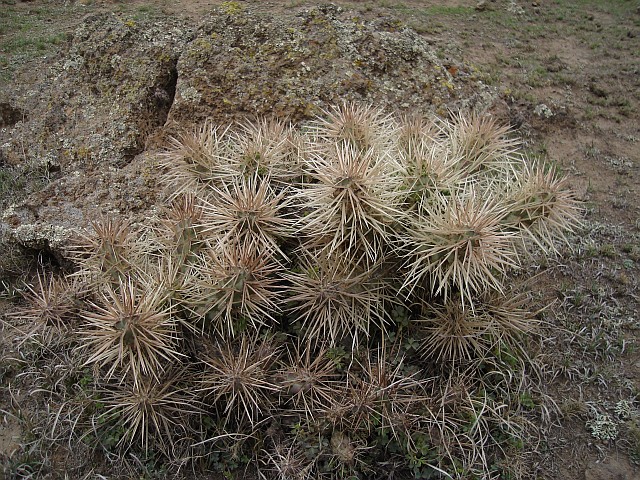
232,8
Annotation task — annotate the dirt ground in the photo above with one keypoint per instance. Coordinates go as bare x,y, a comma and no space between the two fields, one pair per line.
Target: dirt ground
567,77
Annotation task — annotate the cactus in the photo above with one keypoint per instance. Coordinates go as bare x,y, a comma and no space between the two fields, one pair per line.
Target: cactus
327,281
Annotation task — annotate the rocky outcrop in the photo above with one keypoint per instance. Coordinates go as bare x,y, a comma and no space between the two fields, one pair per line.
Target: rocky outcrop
243,63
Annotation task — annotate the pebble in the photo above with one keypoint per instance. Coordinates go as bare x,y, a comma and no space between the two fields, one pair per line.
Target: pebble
481,6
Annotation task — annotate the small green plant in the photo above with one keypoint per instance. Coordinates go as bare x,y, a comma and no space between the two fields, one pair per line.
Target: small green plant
603,427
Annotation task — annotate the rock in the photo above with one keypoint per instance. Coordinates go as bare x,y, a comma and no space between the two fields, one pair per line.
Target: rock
39,236
543,111
91,113
255,63
23,237
514,8
112,88
481,6
10,114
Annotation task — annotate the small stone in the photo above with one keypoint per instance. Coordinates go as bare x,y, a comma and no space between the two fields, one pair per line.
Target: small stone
481,6
543,110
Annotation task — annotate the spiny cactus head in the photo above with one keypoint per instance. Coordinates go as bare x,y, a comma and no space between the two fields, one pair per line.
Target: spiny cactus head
180,230
237,379
235,287
361,127
109,251
415,130
193,160
266,149
481,145
131,331
247,212
332,300
308,378
155,413
454,333
461,246
541,206
287,460
352,205
427,173
457,333
52,306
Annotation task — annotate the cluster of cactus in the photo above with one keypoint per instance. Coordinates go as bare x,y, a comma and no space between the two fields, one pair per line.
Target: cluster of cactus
270,303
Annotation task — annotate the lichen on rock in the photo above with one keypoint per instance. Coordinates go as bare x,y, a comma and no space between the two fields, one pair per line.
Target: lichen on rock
257,64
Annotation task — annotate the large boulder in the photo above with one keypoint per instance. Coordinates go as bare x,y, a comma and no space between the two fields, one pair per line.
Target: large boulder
242,63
